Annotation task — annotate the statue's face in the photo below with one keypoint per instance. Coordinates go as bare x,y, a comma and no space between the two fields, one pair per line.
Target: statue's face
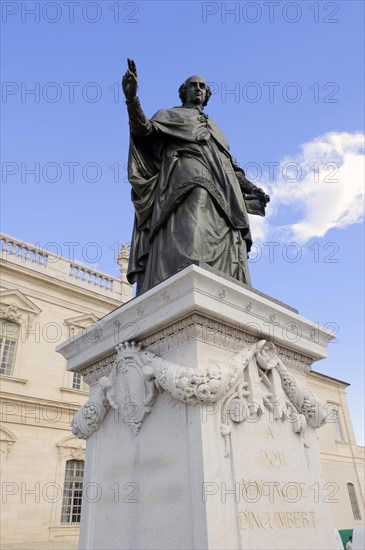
196,90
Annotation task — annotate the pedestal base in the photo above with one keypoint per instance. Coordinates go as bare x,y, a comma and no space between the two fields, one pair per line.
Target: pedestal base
203,435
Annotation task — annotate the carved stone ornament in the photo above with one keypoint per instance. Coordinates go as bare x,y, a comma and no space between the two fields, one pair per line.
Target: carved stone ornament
18,308
268,384
12,313
70,447
247,383
78,453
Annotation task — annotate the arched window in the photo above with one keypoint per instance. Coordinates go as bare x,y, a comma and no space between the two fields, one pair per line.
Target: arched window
9,333
354,502
72,492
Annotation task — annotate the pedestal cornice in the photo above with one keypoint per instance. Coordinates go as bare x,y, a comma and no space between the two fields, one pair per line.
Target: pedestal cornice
181,308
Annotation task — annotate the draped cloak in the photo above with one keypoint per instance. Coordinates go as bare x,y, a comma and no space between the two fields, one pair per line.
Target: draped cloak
187,191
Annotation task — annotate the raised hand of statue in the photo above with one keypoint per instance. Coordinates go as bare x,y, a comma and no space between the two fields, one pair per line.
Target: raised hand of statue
130,81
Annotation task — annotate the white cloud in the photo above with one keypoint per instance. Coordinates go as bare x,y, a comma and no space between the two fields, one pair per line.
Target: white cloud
325,189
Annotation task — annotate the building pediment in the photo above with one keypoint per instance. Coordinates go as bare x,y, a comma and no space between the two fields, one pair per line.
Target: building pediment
16,307
81,321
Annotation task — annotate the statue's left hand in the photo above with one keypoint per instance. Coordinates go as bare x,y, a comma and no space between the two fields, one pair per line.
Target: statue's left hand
259,191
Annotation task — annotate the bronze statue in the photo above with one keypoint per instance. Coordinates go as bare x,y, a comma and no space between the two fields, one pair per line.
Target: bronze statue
190,196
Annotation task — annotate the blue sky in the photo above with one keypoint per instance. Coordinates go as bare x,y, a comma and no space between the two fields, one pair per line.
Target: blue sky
287,85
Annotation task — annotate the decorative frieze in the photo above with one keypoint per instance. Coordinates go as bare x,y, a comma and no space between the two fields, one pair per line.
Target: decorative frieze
94,372
295,361
197,327
201,328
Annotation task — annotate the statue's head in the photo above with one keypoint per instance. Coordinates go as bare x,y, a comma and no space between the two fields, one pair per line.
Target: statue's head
195,91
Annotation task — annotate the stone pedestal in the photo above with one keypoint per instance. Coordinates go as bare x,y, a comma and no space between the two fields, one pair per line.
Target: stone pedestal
200,431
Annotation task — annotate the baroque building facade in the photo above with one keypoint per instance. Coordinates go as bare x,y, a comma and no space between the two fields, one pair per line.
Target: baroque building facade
343,461
46,299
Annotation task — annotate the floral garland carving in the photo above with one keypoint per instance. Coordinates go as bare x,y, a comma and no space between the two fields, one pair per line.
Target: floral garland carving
138,375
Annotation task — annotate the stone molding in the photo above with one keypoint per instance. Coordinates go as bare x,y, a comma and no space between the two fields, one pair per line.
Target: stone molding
196,290
10,378
94,372
201,328
197,327
64,292
48,413
295,361
64,532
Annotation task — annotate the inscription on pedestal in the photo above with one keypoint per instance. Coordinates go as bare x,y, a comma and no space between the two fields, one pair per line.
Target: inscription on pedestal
270,458
276,520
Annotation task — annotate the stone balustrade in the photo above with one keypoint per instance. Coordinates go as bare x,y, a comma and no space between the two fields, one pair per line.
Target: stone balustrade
23,251
40,260
82,273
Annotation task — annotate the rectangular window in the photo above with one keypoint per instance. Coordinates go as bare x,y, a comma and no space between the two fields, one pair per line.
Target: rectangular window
8,343
72,492
78,382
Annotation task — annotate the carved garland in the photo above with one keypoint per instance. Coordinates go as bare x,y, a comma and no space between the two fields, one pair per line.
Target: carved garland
138,375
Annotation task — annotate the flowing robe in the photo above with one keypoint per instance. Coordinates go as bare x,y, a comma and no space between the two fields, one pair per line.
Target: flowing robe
187,191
